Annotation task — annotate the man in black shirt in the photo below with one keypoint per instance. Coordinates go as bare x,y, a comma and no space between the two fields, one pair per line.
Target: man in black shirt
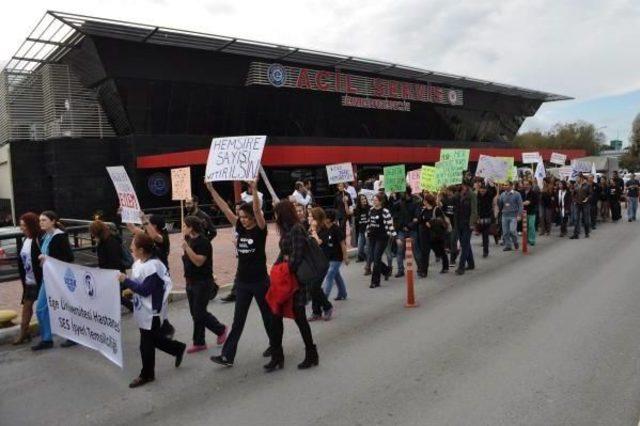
595,196
193,209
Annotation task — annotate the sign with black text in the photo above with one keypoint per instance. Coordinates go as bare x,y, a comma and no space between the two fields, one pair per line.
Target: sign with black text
234,158
129,205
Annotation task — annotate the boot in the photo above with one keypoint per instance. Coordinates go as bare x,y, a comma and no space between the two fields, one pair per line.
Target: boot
311,358
277,360
367,270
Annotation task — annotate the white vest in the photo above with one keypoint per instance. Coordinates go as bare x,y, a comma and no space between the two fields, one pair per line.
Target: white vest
142,306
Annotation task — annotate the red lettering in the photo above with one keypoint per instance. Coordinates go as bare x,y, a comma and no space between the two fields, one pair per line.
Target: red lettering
350,88
303,79
439,95
393,89
421,91
338,82
406,90
320,77
379,87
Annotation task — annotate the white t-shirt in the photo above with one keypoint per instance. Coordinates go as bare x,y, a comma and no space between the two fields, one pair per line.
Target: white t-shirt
248,198
303,200
352,193
25,255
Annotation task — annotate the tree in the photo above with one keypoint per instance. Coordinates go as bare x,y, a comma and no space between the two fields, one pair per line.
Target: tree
631,160
579,135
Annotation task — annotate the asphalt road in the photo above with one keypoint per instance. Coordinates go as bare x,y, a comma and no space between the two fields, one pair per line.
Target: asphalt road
551,338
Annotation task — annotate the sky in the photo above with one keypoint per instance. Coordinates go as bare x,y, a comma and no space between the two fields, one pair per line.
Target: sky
586,49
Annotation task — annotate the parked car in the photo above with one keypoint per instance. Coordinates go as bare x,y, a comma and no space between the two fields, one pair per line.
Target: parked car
8,247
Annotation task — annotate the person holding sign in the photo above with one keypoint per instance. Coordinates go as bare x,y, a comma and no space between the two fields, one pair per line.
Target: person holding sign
198,274
151,285
55,243
252,279
342,204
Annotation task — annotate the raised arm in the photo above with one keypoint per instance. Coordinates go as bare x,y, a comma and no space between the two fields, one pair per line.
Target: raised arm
222,205
257,208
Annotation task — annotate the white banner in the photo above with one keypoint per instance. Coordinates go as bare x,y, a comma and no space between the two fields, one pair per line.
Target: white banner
496,169
340,173
181,184
559,159
530,157
129,205
84,306
234,158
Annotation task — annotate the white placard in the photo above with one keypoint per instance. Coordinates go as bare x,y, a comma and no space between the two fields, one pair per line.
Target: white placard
234,158
369,193
559,159
84,306
181,184
565,172
530,157
340,173
129,205
494,168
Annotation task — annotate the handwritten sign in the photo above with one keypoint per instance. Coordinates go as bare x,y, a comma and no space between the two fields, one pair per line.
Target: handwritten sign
413,180
459,157
129,205
531,157
449,173
429,178
498,169
181,183
565,172
234,158
559,159
339,173
369,193
394,178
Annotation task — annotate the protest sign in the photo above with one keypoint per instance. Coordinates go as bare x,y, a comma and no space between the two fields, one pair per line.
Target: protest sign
181,184
580,166
340,173
498,169
394,178
84,306
129,205
449,173
460,157
379,183
514,173
369,193
429,178
413,180
531,157
559,159
565,172
234,158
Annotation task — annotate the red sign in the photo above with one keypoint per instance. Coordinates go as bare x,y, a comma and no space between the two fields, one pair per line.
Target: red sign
278,75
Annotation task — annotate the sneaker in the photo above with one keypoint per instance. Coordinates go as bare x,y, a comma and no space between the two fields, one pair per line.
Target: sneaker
196,348
44,344
223,337
341,298
314,317
399,275
328,314
229,298
67,343
222,360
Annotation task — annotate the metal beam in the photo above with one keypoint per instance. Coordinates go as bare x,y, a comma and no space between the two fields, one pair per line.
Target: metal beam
20,58
151,33
55,43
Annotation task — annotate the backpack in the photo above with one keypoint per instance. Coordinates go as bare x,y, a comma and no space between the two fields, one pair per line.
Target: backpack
314,264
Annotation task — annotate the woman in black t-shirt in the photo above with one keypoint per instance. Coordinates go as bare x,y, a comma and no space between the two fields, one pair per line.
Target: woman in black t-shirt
252,279
198,274
432,225
332,242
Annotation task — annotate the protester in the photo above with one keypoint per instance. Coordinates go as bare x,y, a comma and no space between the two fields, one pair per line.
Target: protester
564,207
449,207
530,202
593,202
55,244
342,204
432,225
405,211
486,219
333,243
361,214
151,285
466,216
379,230
198,274
582,206
109,252
510,203
632,197
293,244
300,195
605,210
303,216
614,200
548,207
30,272
319,299
193,209
252,280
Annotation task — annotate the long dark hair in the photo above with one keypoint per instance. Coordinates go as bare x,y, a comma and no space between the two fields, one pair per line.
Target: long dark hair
194,223
286,216
30,220
53,217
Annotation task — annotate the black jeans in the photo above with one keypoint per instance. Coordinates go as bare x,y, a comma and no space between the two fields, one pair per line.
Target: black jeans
244,295
594,214
149,341
378,246
466,254
616,210
198,293
300,317
484,231
319,301
563,223
427,244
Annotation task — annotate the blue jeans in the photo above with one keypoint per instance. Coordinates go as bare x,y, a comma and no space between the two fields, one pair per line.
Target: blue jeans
333,274
632,207
363,252
42,312
401,242
509,233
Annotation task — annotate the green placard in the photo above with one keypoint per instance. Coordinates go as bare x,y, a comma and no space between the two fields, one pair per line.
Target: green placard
429,178
459,156
448,173
394,178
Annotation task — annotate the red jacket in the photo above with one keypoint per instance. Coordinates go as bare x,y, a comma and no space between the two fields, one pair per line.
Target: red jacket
281,290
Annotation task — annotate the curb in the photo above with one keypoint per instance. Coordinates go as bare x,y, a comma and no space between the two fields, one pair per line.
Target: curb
7,335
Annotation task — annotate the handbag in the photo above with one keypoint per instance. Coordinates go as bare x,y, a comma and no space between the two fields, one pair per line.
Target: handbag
314,264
